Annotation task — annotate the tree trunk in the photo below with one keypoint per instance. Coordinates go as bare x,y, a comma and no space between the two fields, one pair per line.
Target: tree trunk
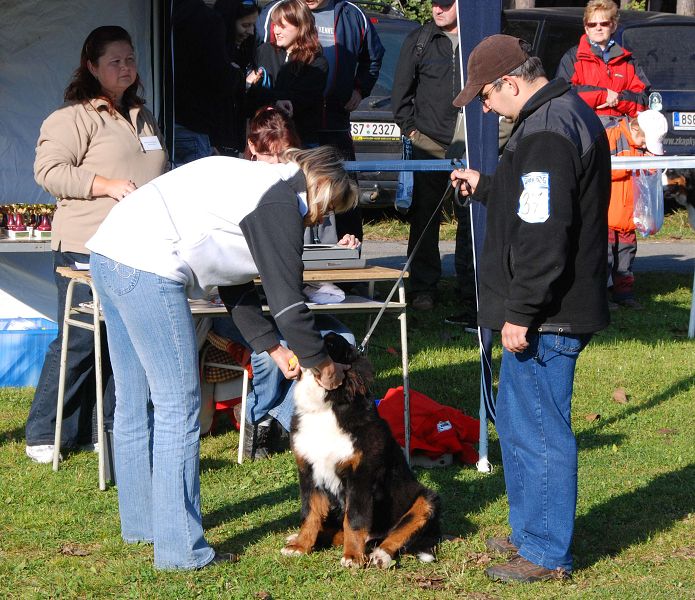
685,7
524,3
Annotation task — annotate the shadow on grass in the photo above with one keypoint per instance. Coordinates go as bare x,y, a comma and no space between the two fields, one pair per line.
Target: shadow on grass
634,517
237,509
12,435
682,385
239,541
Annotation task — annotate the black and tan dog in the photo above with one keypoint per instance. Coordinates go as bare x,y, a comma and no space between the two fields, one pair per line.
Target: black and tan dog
355,484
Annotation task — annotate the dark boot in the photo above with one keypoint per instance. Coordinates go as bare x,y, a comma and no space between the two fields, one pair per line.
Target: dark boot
258,439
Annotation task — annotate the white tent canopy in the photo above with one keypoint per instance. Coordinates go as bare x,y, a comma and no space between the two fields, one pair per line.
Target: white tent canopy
40,44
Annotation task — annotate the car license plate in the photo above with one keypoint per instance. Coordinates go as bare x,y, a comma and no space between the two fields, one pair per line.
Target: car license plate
684,120
371,130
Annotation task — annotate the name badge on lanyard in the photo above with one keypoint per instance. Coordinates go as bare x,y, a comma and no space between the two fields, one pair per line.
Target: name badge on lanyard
150,143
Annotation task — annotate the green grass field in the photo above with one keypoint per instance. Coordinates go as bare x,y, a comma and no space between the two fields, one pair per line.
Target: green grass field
635,529
676,227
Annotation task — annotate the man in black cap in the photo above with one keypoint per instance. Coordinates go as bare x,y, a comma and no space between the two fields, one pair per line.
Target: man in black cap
543,285
426,81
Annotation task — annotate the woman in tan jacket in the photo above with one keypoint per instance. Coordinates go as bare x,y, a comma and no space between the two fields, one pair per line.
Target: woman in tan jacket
92,152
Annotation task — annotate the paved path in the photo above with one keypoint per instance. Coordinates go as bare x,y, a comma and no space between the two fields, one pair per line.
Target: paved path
673,256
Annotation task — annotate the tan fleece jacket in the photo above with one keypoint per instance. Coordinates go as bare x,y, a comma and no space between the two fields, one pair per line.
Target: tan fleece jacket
80,141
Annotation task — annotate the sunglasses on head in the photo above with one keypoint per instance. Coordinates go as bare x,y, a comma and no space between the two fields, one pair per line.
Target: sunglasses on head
592,24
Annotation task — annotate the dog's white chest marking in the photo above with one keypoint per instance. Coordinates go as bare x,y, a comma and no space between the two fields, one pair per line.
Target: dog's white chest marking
319,439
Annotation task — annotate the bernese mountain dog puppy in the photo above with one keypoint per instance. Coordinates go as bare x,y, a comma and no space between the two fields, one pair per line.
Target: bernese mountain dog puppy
356,487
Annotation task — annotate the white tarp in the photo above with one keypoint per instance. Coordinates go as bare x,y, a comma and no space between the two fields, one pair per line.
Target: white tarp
40,44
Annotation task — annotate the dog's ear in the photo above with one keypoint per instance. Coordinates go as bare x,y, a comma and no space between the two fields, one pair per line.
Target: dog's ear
339,349
359,378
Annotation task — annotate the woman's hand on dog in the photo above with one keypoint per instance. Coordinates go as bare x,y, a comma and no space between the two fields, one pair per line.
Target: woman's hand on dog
330,374
286,360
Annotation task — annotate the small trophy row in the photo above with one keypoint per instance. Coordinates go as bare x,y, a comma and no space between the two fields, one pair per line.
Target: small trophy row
26,221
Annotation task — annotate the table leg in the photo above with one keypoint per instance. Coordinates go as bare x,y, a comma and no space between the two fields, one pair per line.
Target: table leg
61,377
406,375
100,389
691,325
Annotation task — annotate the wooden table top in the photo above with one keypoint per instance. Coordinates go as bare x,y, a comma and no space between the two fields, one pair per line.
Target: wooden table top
368,273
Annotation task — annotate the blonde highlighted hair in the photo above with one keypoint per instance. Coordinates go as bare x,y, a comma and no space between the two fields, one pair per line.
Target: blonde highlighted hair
607,6
328,185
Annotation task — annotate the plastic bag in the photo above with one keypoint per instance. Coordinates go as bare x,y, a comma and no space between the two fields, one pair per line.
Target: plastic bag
649,201
404,193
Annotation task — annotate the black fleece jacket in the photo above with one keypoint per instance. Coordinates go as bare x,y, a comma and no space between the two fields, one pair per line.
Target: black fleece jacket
424,87
544,257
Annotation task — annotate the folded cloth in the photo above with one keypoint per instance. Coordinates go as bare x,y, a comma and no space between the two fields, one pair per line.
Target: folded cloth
435,429
323,293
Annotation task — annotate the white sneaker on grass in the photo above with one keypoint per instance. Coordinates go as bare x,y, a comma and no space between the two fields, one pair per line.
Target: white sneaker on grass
42,454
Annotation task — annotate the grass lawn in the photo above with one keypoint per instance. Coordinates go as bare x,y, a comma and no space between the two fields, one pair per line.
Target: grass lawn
635,529
676,227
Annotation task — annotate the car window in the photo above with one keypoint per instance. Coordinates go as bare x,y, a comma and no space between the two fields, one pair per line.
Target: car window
558,38
526,30
392,40
666,53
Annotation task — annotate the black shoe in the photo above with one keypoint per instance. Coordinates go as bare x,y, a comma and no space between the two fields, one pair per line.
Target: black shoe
221,558
281,438
422,302
259,439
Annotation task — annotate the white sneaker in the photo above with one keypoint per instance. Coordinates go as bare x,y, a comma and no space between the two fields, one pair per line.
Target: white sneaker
42,454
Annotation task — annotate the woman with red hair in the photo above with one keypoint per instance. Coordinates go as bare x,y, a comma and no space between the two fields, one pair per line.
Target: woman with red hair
291,72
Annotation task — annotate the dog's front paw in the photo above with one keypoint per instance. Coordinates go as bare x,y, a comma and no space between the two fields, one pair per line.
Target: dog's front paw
293,550
291,538
352,561
380,558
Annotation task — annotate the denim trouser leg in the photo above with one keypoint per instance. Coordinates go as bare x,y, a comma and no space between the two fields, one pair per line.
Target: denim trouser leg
539,451
272,393
152,342
79,383
189,145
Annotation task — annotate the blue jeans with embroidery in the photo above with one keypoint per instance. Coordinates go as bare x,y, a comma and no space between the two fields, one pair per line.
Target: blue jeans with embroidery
156,431
539,451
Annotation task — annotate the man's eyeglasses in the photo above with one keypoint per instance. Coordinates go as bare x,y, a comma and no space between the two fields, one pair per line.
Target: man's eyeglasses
483,97
592,24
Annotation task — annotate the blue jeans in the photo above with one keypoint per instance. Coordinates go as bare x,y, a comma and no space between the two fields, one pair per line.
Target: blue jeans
80,383
189,145
156,432
272,394
539,451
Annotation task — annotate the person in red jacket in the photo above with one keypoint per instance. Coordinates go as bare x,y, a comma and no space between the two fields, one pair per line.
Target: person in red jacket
604,74
630,137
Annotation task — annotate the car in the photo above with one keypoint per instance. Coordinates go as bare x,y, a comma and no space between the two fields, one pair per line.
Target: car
374,133
662,43
664,46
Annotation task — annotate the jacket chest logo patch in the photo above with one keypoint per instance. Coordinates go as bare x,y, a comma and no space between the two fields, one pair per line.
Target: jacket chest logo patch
534,202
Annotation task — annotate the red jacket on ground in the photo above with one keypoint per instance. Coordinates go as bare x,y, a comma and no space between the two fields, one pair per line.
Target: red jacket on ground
584,68
435,429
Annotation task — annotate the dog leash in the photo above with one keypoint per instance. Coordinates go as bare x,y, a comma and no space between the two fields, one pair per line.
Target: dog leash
456,164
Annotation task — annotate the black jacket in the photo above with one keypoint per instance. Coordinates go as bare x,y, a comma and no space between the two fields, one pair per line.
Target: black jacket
544,258
205,78
425,85
300,83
